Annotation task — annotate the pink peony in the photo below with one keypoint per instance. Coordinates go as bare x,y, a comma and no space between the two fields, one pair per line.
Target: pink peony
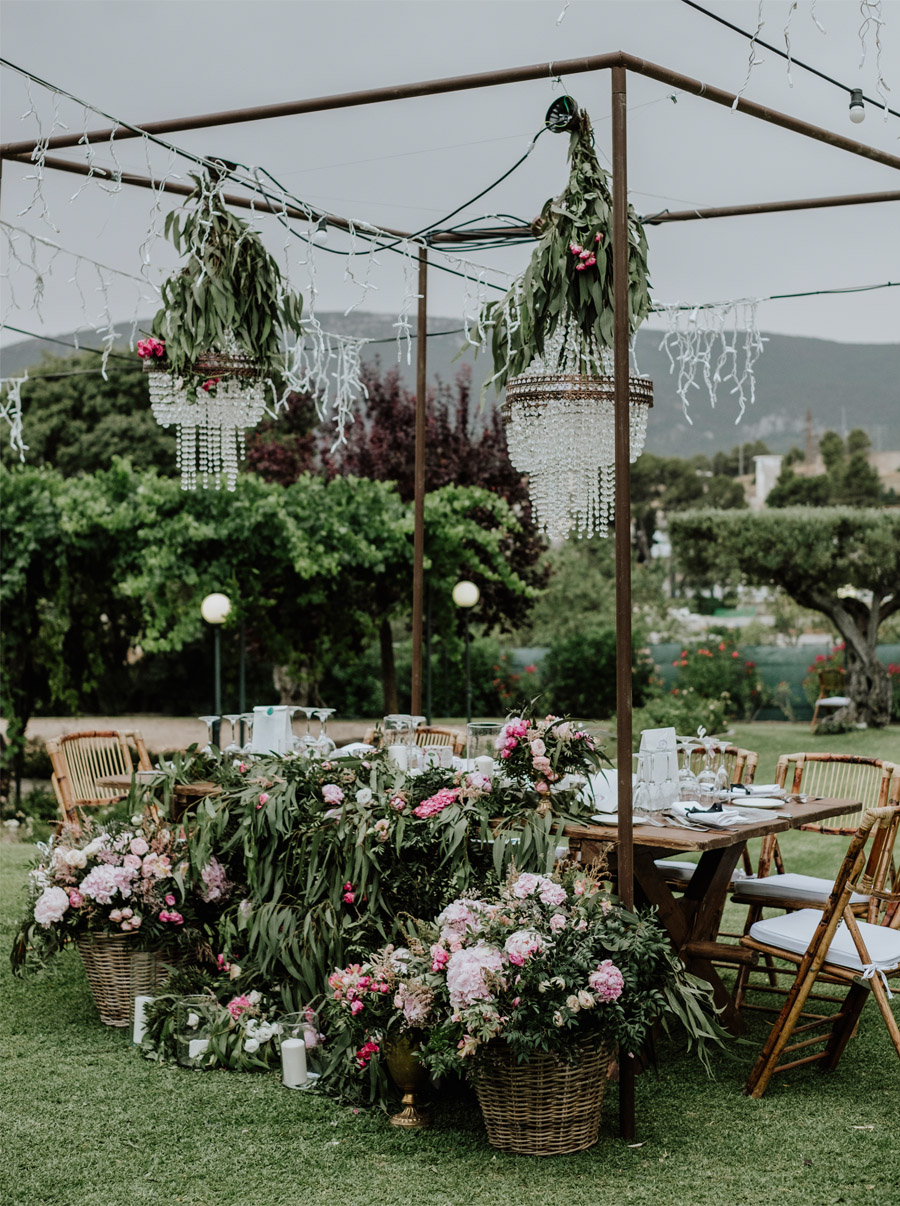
439,958
356,1007
521,944
132,861
100,883
50,906
436,803
156,866
538,748
139,846
607,981
332,794
466,973
349,897
557,923
170,899
238,1005
76,900
263,799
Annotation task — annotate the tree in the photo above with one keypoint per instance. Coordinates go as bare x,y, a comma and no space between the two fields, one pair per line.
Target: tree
77,422
848,480
815,555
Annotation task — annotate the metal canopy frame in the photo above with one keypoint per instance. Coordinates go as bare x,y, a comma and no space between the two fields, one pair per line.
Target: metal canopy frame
619,64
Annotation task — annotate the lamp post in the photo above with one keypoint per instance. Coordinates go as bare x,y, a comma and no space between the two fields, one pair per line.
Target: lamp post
215,609
466,595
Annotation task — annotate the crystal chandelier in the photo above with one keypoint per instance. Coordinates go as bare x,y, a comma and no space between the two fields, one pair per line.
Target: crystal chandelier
210,407
560,429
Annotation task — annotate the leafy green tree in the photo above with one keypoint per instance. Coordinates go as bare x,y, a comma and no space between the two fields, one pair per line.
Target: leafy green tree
76,422
815,555
848,480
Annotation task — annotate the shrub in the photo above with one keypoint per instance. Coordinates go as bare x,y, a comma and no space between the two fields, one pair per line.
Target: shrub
824,661
716,671
579,674
685,710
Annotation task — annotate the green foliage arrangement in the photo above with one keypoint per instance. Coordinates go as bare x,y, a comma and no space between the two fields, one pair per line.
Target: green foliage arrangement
579,673
570,272
230,289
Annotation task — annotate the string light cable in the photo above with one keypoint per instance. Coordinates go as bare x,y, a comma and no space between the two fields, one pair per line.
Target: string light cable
791,59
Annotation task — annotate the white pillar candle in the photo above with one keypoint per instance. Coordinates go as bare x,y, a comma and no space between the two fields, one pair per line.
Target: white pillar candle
400,755
293,1063
140,1024
485,765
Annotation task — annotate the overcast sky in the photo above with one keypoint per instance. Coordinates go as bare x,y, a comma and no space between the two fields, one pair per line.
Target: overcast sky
406,163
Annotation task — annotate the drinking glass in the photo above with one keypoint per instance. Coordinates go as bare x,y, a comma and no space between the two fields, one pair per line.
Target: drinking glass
209,721
247,718
706,780
324,744
233,718
641,799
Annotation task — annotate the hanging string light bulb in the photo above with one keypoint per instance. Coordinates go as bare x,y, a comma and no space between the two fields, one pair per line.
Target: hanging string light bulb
551,338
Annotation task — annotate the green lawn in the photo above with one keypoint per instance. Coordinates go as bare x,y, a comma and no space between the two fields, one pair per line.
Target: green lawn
88,1122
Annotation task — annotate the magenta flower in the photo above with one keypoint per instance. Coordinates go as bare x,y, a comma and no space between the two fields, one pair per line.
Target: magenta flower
170,899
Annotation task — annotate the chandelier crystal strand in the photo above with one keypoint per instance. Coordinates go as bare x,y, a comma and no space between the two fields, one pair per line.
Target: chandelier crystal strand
561,432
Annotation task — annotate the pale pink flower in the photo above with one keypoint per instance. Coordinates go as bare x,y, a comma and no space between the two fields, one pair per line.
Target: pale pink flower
132,861
156,866
332,794
607,981
50,906
139,846
521,944
557,923
538,748
466,973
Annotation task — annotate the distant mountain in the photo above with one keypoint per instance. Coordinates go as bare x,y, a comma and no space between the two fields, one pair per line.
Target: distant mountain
843,385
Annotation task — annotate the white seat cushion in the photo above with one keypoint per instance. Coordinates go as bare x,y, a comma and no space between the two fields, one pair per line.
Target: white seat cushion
834,701
793,931
809,888
681,871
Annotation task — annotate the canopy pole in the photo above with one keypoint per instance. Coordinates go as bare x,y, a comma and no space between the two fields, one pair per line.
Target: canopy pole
419,478
625,846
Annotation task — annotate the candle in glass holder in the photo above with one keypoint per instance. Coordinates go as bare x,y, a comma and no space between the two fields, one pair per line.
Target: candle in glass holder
140,1024
485,765
400,755
293,1063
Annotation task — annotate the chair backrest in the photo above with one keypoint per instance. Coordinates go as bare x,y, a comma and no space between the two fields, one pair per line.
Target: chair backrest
739,763
842,776
434,735
831,681
428,735
81,760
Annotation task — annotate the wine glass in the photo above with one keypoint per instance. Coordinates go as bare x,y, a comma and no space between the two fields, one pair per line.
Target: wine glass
209,721
641,802
247,718
324,744
296,742
308,742
706,780
233,747
723,782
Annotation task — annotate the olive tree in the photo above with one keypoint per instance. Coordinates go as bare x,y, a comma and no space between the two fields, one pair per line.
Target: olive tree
843,562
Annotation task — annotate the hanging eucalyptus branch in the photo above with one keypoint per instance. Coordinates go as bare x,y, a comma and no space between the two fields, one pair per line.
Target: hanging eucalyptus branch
570,273
230,292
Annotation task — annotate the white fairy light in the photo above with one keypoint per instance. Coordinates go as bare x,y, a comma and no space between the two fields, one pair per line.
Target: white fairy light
329,368
11,413
752,59
717,344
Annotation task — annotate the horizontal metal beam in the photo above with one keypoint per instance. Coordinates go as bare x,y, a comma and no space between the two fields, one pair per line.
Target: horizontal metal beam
185,190
461,83
766,207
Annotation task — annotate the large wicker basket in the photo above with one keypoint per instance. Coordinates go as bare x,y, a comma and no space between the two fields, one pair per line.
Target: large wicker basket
117,972
543,1107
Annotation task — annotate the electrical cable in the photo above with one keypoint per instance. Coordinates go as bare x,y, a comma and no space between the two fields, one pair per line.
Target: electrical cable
791,58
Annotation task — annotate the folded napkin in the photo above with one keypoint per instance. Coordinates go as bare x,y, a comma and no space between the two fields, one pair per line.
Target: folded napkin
692,811
354,750
762,789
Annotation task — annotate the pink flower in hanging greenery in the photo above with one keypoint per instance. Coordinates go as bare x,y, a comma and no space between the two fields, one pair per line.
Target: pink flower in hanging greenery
210,383
150,347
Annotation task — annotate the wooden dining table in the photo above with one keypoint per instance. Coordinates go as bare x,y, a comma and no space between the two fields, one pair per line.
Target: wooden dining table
692,918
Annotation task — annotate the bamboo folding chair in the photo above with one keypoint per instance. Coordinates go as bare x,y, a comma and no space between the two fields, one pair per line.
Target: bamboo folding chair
832,946
81,761
872,781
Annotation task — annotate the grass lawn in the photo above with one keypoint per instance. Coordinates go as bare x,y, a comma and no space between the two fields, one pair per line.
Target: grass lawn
89,1122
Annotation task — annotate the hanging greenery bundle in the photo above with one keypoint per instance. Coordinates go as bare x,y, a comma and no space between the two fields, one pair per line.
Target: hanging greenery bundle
570,273
229,296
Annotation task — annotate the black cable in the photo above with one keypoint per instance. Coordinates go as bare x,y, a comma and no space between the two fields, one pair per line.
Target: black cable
790,58
64,343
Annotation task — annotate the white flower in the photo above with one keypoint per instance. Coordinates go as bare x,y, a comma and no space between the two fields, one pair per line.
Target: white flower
50,906
585,999
245,908
264,1032
251,1045
96,845
364,796
136,819
573,1003
76,858
193,1020
254,997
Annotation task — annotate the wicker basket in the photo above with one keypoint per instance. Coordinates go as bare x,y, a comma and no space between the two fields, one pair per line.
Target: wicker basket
543,1107
117,972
